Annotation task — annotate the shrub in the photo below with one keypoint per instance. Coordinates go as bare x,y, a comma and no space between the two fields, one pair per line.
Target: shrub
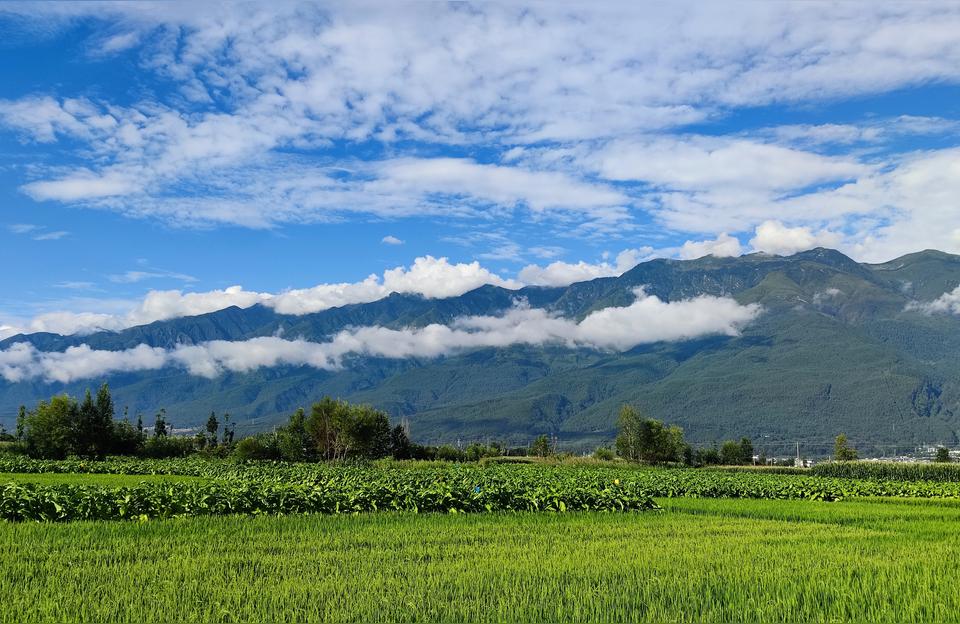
604,453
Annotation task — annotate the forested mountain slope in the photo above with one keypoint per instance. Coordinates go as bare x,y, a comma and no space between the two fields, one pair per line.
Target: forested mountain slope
840,346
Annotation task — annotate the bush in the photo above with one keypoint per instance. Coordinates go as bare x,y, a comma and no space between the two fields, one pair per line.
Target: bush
168,446
449,453
604,453
260,446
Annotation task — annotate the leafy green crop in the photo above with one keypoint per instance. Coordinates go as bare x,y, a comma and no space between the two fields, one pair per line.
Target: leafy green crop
288,488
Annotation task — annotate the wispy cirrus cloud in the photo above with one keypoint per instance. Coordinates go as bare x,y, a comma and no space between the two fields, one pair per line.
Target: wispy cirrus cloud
37,232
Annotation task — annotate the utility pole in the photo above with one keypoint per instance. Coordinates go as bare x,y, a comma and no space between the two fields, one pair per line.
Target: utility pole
797,462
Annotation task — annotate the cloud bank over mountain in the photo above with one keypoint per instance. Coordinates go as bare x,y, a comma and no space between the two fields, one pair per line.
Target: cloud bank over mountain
427,276
646,320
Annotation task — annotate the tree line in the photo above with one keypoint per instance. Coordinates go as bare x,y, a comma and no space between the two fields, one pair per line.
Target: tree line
336,430
64,426
648,440
331,430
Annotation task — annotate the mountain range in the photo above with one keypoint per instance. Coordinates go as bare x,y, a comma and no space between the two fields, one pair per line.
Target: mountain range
840,346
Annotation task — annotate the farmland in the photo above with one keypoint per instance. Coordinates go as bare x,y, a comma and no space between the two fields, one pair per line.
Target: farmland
194,539
697,560
227,488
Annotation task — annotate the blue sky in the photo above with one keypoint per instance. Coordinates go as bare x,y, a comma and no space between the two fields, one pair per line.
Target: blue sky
153,156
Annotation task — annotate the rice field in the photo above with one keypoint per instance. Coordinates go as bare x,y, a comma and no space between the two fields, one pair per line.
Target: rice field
895,560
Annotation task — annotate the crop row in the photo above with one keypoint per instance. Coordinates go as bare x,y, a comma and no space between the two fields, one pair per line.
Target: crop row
278,488
889,471
339,491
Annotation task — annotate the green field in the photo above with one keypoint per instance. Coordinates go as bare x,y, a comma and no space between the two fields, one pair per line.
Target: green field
276,488
209,540
107,480
698,560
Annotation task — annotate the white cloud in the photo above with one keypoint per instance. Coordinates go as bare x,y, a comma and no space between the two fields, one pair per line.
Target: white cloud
119,42
76,285
40,118
37,232
82,186
55,235
427,276
910,206
22,228
709,163
261,92
709,184
391,240
647,320
721,247
501,185
502,76
947,303
776,238
133,277
67,323
561,273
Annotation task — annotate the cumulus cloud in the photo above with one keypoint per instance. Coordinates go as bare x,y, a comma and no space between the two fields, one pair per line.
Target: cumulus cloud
776,238
427,276
391,240
646,320
723,246
561,273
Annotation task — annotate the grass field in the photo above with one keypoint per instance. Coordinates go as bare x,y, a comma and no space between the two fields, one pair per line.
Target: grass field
698,560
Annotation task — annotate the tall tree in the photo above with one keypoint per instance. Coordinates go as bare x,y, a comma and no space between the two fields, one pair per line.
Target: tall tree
293,441
400,446
160,424
21,422
212,426
228,429
842,451
325,427
647,439
746,451
541,446
49,428
102,425
628,438
84,428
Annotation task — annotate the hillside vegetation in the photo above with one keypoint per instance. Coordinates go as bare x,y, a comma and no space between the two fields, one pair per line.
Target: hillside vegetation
838,348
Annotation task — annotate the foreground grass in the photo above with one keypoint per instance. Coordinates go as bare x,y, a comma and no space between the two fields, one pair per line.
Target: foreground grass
698,560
